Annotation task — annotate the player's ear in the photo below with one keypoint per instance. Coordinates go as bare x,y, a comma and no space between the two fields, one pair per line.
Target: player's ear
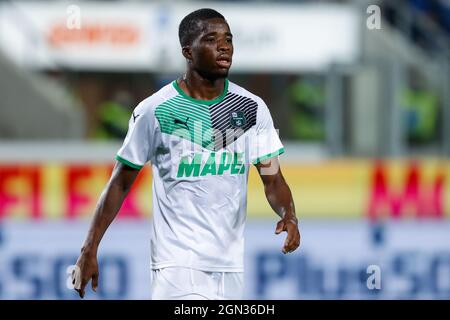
187,52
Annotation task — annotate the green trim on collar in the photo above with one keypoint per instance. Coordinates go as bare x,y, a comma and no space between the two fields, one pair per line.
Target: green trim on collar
207,102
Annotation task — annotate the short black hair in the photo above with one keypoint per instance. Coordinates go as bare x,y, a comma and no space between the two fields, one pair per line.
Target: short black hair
190,25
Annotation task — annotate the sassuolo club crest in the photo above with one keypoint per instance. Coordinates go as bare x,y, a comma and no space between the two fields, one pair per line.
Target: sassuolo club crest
237,119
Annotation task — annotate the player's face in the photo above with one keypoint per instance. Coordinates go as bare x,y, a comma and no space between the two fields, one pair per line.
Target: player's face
212,50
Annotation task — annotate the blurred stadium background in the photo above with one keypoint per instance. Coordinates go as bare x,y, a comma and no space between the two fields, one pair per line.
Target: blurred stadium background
363,107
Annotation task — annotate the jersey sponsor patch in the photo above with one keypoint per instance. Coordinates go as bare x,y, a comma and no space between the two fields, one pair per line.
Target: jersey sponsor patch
237,119
215,164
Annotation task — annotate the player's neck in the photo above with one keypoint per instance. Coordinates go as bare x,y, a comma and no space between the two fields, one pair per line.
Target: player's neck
198,87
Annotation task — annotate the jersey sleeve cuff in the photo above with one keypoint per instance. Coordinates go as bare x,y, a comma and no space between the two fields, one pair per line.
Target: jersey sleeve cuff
128,163
268,156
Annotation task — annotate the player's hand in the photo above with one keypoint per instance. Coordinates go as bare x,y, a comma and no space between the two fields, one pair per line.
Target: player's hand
86,269
290,225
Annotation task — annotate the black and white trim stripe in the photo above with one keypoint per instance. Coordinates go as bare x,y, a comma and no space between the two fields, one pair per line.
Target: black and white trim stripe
221,114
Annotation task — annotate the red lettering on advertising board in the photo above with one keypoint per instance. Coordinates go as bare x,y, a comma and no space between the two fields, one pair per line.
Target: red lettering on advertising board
94,34
9,199
76,198
423,200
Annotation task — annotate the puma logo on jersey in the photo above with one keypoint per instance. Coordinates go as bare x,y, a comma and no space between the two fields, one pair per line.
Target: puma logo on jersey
135,116
183,123
216,164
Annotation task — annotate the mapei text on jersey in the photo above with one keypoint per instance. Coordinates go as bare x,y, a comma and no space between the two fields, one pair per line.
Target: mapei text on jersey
216,164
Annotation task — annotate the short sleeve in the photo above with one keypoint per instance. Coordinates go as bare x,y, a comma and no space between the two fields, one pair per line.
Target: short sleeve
265,142
138,146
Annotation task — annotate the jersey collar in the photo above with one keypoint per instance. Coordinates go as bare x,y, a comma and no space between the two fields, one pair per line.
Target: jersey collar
207,102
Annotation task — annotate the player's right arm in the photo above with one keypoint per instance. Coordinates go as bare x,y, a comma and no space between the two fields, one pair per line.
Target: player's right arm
108,206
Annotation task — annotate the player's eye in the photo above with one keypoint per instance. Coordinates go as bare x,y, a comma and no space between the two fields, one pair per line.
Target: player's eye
229,40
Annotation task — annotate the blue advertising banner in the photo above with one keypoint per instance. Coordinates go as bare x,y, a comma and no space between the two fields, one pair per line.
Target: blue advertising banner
336,260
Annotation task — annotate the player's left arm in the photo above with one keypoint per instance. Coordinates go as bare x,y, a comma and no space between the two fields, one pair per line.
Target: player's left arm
280,199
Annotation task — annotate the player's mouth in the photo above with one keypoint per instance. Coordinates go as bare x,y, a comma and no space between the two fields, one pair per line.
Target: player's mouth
224,62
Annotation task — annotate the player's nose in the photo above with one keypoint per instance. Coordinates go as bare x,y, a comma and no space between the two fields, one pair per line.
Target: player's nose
224,46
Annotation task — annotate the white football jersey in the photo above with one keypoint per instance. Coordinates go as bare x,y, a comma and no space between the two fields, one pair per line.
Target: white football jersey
201,152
